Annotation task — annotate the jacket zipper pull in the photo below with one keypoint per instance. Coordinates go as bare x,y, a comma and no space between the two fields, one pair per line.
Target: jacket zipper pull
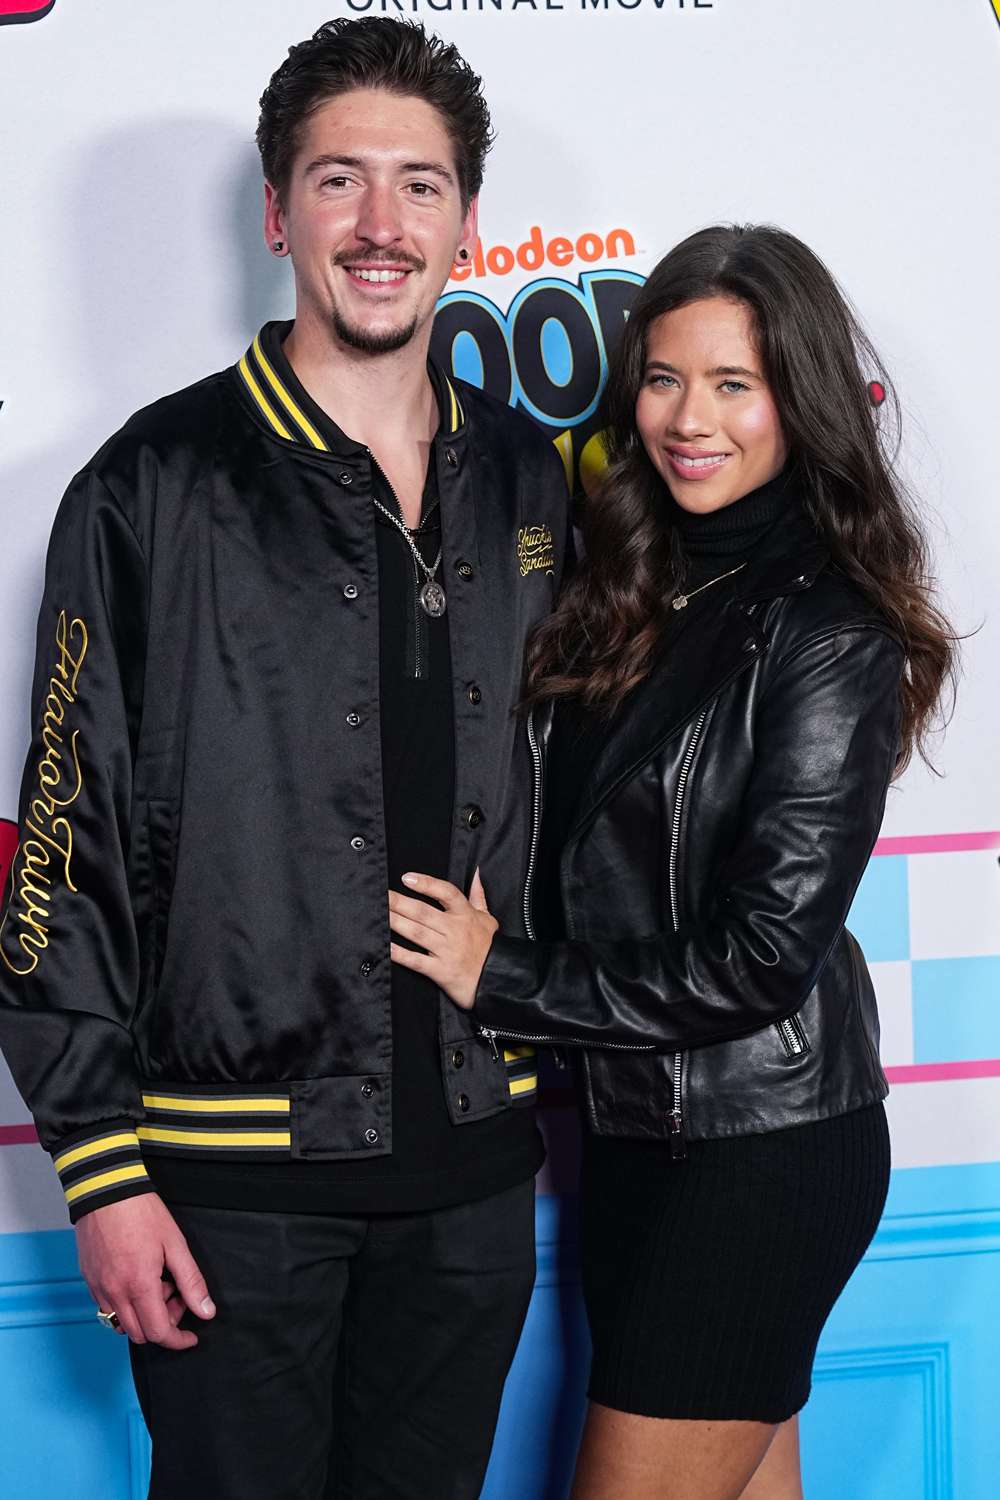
559,1058
491,1037
678,1150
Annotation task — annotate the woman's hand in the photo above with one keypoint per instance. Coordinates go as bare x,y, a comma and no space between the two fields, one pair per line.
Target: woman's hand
455,934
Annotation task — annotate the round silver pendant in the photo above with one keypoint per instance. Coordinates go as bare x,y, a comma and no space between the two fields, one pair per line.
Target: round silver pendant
432,599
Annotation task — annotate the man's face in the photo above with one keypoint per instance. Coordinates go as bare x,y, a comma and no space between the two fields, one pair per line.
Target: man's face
372,217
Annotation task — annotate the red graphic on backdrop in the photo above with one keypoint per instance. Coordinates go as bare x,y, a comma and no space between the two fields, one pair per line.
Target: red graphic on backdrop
24,10
8,845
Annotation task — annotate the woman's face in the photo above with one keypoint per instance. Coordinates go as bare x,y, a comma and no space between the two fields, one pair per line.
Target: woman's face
705,413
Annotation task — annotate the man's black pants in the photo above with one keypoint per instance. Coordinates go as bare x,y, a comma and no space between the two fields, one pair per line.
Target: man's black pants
350,1358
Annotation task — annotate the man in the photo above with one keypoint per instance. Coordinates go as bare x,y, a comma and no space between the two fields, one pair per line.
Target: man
278,653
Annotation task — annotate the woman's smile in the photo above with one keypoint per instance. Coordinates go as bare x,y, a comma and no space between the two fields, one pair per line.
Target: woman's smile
693,464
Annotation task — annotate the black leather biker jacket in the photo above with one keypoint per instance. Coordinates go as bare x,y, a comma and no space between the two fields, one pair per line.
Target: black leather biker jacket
708,976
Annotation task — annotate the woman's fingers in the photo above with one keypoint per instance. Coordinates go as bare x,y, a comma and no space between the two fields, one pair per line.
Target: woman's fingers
417,932
439,890
477,896
455,939
418,911
421,962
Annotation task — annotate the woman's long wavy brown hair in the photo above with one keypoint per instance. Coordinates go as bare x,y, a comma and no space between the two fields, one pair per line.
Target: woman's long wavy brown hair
602,637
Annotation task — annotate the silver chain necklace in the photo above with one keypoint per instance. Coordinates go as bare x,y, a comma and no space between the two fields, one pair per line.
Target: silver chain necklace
432,599
681,601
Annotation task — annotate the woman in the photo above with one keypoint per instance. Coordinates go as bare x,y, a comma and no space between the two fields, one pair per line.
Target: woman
719,703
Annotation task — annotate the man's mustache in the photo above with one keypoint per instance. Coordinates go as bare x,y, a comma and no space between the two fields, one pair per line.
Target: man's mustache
376,256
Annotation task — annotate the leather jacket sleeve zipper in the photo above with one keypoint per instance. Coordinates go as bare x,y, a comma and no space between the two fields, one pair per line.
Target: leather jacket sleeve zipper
793,1037
492,1035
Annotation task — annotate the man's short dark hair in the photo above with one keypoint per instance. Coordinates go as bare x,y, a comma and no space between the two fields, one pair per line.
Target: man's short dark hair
374,52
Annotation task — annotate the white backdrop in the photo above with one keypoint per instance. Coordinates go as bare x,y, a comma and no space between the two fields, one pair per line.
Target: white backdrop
133,263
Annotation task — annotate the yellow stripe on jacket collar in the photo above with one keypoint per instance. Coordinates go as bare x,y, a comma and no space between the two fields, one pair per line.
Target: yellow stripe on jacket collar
284,415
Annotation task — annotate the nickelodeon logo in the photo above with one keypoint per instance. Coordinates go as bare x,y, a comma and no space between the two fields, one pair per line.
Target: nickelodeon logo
536,252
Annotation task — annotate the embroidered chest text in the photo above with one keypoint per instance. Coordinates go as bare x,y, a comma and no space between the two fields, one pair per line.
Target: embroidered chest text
535,550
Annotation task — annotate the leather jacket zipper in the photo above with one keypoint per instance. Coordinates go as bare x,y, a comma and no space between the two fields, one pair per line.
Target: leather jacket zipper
678,1150
793,1038
675,827
491,1033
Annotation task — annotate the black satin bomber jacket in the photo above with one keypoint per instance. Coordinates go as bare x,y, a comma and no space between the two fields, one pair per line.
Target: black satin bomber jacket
195,944
708,977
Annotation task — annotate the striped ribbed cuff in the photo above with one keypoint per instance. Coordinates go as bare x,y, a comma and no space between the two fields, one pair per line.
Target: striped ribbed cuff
522,1073
101,1168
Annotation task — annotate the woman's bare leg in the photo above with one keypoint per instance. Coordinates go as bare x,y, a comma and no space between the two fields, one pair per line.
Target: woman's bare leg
780,1475
624,1457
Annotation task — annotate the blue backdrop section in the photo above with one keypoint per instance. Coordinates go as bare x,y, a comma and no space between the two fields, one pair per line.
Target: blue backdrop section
906,1370
956,1008
880,915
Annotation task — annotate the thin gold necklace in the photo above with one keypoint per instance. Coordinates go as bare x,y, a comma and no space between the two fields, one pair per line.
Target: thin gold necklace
681,601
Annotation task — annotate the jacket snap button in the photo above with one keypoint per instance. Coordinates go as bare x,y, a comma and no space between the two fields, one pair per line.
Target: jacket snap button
354,720
367,1090
367,967
350,591
475,693
371,1136
472,815
457,1058
452,457
463,1103
463,569
358,843
749,644
345,477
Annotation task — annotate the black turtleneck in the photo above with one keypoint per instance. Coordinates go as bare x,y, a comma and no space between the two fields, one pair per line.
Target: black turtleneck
709,545
708,541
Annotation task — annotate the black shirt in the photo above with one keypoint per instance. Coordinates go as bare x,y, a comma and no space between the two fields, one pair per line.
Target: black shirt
433,1164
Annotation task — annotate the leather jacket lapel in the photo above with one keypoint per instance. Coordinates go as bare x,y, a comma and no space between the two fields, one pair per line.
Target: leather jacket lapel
720,640
717,646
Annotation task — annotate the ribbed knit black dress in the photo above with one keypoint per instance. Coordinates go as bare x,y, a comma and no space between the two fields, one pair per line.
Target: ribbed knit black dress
708,1280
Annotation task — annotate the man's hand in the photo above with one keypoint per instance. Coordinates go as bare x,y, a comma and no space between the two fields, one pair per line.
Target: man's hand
456,935
136,1263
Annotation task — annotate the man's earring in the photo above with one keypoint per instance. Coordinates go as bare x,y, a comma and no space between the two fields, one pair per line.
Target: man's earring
277,246
463,254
